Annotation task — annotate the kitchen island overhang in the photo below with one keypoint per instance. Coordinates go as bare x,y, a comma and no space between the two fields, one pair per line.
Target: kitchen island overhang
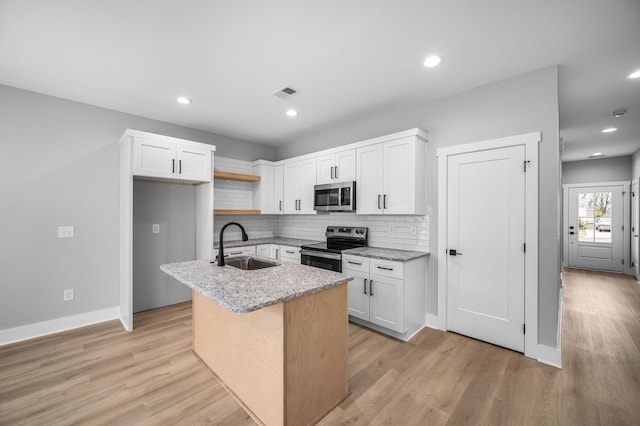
276,338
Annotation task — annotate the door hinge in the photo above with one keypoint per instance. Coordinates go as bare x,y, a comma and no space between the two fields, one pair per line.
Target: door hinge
524,328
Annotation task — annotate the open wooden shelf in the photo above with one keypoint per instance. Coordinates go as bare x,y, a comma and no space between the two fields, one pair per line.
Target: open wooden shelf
241,177
228,212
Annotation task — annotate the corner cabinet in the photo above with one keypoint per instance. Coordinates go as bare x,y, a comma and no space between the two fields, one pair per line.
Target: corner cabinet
147,156
160,158
391,177
387,295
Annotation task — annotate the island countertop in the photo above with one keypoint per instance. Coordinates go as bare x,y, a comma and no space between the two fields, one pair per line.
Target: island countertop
241,291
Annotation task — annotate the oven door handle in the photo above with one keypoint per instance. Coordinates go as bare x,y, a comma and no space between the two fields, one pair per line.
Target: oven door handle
322,254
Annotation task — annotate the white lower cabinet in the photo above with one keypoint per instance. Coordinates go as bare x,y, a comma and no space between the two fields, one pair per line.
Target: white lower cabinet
290,254
236,251
271,251
386,295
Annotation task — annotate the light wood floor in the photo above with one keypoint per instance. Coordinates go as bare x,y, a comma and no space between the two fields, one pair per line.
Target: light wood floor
103,375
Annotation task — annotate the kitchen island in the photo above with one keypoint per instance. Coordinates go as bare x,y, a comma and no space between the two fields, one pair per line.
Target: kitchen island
276,338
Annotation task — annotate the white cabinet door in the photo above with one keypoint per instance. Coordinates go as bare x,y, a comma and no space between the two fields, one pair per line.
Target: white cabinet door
194,163
268,250
290,187
299,180
337,167
153,158
326,166
359,294
399,177
278,189
307,180
386,302
345,166
370,181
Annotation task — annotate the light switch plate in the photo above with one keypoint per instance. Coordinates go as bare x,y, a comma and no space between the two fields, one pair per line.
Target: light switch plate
66,232
156,228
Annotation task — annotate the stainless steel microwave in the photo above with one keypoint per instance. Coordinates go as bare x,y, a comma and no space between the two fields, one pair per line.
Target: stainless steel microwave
335,197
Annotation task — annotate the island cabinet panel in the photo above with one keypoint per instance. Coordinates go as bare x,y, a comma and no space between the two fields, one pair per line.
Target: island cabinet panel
286,364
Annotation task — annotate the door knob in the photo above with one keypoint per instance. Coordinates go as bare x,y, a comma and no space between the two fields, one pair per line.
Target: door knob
454,253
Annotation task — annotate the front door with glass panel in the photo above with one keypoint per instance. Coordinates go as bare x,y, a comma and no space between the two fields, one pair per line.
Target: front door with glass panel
595,228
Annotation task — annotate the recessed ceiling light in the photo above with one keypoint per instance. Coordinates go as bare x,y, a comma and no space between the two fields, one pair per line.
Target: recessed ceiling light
183,100
292,113
634,74
609,130
597,154
433,61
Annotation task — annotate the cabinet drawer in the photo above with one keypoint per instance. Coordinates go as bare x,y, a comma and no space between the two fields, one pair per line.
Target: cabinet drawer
290,254
355,263
236,251
387,268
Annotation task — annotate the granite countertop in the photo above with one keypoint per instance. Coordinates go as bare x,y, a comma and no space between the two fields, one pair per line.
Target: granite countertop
386,254
294,242
242,291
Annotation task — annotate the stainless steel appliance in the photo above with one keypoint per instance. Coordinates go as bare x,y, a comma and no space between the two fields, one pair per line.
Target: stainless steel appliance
335,197
329,255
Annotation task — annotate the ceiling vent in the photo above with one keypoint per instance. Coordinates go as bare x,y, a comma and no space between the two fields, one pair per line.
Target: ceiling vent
285,93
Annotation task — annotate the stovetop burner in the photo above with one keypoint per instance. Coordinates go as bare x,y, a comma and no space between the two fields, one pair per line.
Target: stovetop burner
341,238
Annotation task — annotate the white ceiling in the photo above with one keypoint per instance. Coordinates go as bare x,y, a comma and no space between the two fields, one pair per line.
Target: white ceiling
346,57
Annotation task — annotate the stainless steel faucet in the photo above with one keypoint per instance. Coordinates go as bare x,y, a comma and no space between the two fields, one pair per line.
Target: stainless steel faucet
220,257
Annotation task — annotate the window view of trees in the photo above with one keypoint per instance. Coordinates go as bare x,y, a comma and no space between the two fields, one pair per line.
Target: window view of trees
594,216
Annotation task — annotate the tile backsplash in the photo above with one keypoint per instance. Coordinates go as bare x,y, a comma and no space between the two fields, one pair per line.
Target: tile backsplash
398,232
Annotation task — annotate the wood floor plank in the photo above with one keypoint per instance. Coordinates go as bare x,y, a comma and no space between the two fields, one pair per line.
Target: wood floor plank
103,375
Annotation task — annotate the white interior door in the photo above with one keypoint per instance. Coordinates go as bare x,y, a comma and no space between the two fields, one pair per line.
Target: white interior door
635,230
485,245
595,227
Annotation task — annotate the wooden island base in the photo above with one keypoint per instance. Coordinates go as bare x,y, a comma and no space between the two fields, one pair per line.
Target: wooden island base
287,363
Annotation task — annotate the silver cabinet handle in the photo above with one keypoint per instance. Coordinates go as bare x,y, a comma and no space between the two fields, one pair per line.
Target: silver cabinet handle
365,286
180,166
371,287
173,165
354,263
277,253
331,172
384,201
280,205
290,252
336,172
379,201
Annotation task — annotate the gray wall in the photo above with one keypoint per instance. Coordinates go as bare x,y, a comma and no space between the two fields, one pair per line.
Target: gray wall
173,208
523,104
60,163
601,170
635,164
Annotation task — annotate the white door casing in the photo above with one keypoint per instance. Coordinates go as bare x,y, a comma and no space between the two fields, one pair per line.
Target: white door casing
530,143
486,221
591,248
635,228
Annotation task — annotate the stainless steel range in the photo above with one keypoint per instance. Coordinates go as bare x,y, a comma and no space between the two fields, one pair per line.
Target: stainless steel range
329,255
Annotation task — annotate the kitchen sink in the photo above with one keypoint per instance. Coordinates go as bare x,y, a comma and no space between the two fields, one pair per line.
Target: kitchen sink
249,263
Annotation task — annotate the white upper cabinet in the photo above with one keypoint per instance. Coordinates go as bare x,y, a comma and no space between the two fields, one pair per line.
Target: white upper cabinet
336,167
390,177
278,177
299,180
171,160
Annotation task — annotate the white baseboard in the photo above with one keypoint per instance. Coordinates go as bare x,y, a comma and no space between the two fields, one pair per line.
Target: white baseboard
433,321
549,356
30,331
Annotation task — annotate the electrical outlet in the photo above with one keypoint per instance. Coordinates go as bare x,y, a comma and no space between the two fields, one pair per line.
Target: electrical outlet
68,295
66,232
155,228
